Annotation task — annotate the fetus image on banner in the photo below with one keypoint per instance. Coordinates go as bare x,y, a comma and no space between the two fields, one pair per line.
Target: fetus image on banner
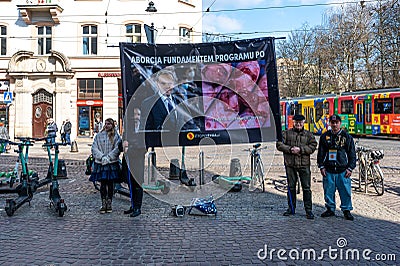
235,96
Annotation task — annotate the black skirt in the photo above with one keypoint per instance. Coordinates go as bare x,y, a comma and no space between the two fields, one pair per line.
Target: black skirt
105,172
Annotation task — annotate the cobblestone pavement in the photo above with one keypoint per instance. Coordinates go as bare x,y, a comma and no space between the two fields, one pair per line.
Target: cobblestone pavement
248,229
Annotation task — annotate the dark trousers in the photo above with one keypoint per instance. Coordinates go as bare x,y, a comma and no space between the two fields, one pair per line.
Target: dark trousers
106,189
135,171
293,174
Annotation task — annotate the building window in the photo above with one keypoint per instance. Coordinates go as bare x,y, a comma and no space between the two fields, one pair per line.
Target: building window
90,89
3,40
133,33
89,34
184,35
44,40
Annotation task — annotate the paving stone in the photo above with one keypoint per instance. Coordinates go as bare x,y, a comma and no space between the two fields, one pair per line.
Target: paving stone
245,223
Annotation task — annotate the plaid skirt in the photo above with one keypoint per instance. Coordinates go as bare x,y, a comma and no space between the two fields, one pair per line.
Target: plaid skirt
105,172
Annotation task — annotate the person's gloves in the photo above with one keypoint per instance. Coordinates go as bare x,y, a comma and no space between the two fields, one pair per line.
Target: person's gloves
105,160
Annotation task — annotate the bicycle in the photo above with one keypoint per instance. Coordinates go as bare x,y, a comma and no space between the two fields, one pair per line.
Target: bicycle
257,168
28,179
369,169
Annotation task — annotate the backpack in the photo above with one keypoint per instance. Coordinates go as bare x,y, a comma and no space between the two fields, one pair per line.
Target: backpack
89,164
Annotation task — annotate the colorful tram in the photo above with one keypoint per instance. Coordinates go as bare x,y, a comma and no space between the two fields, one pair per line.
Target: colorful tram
363,113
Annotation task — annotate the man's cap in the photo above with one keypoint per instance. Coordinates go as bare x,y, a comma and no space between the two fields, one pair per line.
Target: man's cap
299,117
335,118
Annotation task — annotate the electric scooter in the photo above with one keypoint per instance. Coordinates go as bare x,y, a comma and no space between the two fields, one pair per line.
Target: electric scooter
28,180
56,201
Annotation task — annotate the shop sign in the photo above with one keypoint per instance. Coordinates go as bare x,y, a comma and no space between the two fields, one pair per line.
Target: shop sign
108,75
89,103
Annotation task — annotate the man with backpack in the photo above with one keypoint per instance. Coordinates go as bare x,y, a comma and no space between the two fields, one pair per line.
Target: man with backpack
67,131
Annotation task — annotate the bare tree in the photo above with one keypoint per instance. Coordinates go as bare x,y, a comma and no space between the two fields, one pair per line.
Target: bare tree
357,47
294,64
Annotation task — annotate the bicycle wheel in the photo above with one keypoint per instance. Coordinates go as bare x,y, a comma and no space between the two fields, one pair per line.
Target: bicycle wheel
258,178
260,171
361,171
377,180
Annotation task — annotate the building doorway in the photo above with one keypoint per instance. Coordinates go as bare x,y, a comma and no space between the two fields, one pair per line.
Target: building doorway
42,109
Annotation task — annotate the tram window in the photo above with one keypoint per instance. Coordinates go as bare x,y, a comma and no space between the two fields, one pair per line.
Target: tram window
319,110
397,105
368,117
359,113
311,117
383,106
291,109
347,107
297,109
326,108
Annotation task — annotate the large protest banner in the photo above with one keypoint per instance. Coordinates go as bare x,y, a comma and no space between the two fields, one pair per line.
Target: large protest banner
180,94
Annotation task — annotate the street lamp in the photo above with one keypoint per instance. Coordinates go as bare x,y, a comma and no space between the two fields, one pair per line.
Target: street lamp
150,30
151,8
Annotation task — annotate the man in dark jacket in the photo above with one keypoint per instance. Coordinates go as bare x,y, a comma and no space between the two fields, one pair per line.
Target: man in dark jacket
133,161
297,146
67,131
336,159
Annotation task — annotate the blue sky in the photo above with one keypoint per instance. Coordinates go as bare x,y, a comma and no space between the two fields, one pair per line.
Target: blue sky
272,20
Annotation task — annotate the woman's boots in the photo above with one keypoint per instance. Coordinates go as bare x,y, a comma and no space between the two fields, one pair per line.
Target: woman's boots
103,208
106,206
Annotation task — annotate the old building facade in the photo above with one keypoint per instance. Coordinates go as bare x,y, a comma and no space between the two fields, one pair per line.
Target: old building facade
60,59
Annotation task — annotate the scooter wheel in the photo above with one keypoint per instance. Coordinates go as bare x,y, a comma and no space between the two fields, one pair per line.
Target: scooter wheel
165,190
10,208
214,178
61,208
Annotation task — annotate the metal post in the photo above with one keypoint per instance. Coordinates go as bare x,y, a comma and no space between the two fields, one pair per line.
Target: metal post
366,171
252,164
151,162
201,168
